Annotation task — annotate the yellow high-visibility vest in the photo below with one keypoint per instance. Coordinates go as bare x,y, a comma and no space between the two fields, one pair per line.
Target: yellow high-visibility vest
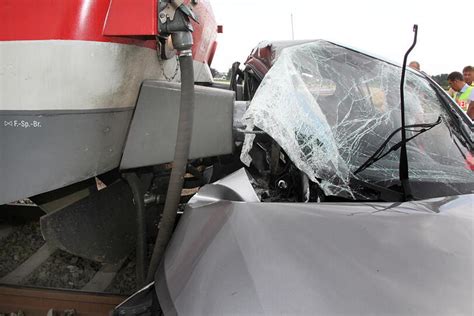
462,99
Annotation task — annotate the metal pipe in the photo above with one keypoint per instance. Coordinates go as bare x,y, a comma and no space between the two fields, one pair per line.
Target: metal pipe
141,246
183,142
292,28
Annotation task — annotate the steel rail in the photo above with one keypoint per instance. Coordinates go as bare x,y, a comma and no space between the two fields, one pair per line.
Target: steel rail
35,301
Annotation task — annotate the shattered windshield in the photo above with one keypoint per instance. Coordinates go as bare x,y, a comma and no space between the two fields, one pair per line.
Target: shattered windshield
330,108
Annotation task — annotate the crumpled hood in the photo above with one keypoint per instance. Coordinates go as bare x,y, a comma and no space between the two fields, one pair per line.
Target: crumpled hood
241,257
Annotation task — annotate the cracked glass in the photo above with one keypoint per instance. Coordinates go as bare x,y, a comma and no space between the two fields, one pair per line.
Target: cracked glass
330,108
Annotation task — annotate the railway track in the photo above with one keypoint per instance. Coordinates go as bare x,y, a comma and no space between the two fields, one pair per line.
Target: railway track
35,302
101,280
36,278
30,267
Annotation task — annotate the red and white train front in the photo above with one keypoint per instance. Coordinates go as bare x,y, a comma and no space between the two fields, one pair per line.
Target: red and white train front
70,75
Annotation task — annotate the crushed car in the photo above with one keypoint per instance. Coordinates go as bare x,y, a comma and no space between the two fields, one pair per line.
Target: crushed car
316,221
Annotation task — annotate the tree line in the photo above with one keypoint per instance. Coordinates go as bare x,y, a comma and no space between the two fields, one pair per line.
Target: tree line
441,79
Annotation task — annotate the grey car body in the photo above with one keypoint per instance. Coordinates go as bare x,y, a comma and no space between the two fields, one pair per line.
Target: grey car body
231,254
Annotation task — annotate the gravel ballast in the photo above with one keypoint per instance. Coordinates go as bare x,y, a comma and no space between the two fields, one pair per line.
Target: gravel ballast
63,270
18,246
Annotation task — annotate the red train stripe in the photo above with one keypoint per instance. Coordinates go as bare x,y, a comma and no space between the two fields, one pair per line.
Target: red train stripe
85,20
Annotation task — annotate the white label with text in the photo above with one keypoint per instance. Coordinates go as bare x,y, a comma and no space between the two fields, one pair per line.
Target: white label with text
22,124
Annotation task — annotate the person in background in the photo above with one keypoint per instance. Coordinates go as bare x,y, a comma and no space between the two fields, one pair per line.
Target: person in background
414,65
468,74
463,93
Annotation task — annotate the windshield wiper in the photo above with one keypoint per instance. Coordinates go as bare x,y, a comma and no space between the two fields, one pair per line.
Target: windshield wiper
384,194
381,153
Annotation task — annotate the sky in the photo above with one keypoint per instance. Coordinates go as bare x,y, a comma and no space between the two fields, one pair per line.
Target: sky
383,28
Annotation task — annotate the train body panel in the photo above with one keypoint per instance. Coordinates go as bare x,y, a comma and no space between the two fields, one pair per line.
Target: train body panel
68,92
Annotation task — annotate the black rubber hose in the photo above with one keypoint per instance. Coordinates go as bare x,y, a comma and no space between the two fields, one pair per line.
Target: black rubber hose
183,142
141,246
